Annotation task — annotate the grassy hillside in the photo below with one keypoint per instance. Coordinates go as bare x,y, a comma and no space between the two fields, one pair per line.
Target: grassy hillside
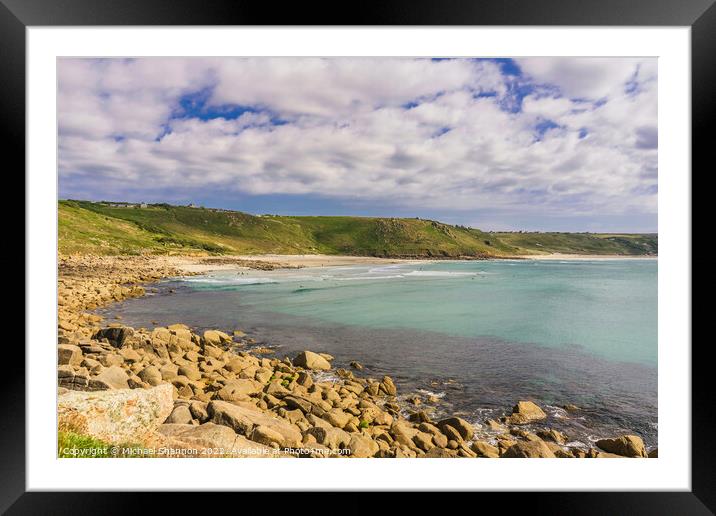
582,243
110,229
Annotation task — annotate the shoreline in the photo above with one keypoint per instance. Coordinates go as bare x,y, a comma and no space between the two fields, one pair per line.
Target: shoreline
194,265
585,257
362,412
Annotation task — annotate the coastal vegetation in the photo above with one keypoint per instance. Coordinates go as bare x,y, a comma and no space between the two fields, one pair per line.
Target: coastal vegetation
122,228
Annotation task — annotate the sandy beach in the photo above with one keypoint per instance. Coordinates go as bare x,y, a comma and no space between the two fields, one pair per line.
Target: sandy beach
199,265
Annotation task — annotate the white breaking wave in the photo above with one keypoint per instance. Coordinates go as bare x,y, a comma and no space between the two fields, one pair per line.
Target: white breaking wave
426,392
439,274
366,278
232,281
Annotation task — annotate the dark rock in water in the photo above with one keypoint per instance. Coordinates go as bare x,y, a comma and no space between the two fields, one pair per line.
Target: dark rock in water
654,454
356,365
115,336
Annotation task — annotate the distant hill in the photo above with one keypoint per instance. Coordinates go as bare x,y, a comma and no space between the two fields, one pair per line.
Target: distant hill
123,228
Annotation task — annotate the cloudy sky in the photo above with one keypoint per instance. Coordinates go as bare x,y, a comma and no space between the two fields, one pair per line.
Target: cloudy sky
564,144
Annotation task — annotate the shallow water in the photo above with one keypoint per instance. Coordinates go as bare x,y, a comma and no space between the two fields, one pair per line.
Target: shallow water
480,334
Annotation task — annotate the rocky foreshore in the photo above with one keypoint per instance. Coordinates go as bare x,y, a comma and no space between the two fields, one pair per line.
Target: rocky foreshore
170,391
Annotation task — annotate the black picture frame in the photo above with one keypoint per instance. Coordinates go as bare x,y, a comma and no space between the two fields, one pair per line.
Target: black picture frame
700,15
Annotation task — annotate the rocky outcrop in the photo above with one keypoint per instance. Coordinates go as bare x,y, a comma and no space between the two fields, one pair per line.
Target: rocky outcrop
115,416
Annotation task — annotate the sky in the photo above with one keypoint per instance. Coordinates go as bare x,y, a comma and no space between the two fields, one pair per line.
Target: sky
535,144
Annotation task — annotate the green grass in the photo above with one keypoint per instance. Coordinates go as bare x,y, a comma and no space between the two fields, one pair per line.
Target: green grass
73,445
89,227
582,243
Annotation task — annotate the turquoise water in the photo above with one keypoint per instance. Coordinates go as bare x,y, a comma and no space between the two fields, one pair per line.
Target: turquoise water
608,308
479,334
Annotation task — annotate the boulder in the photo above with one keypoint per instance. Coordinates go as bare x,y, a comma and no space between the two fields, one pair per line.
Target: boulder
424,441
300,403
180,415
240,389
552,435
190,371
304,379
243,420
654,454
150,375
362,446
333,438
198,410
67,354
311,360
268,436
388,387
440,440
126,416
625,445
439,453
356,365
220,440
337,417
483,449
276,389
528,449
216,338
463,427
451,433
525,412
116,336
113,377
129,355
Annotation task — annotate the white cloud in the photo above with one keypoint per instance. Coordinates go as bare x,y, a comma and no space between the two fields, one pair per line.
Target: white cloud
588,77
350,132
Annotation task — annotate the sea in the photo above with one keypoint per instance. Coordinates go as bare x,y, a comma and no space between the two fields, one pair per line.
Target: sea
477,336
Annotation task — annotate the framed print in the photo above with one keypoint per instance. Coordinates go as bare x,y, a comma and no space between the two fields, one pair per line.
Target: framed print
386,246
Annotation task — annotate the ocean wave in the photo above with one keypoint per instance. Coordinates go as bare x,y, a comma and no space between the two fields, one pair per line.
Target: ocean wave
439,274
231,281
367,278
426,392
